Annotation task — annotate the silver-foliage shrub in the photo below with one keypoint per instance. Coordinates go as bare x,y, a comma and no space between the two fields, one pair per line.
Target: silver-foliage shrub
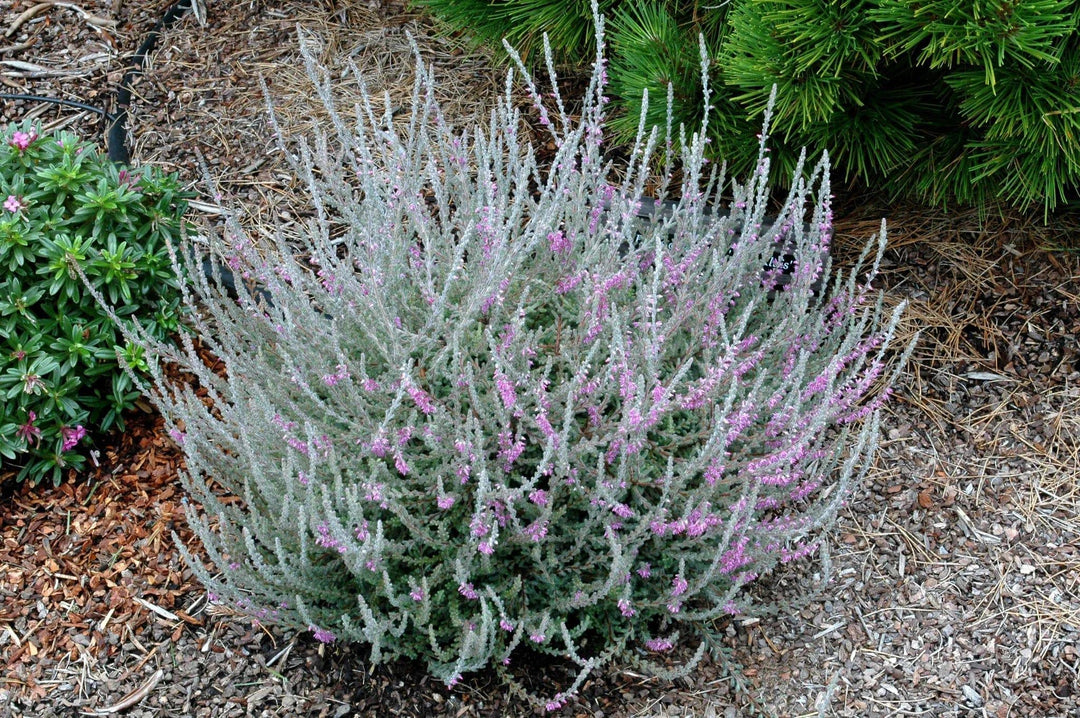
488,406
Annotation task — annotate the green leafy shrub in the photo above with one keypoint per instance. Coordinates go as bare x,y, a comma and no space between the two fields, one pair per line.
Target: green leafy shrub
945,102
65,204
488,406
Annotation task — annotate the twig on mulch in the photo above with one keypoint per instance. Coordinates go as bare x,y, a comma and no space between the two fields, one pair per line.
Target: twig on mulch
131,699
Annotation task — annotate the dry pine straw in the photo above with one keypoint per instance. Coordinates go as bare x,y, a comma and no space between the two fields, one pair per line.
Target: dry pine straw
955,571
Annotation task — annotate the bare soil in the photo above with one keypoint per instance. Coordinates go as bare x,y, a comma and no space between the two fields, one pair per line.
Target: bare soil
954,587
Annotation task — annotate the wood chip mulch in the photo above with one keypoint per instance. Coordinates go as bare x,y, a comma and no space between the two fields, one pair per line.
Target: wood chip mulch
86,566
955,585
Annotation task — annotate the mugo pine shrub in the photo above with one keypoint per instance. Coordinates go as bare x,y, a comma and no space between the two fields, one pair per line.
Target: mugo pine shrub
488,407
66,205
941,101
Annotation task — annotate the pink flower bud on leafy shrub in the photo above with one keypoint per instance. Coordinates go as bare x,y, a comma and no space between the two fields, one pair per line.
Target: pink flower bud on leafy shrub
698,426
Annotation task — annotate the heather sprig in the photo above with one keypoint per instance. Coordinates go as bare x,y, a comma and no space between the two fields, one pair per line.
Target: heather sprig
489,405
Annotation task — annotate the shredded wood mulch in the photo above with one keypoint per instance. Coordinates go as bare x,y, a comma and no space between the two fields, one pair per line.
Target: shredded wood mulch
955,572
87,565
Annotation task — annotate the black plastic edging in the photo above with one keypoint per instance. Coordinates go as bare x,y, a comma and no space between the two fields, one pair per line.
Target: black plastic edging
58,101
116,130
116,134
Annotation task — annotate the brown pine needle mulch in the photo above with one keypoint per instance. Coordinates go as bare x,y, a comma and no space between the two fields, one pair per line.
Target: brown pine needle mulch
955,584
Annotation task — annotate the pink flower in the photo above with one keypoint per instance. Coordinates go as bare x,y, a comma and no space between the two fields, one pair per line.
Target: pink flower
422,400
479,528
659,645
13,204
322,635
445,502
735,558
713,472
374,492
556,704
32,383
506,390
510,450
126,178
325,540
559,243
379,446
338,376
536,531
545,426
71,436
21,140
28,431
